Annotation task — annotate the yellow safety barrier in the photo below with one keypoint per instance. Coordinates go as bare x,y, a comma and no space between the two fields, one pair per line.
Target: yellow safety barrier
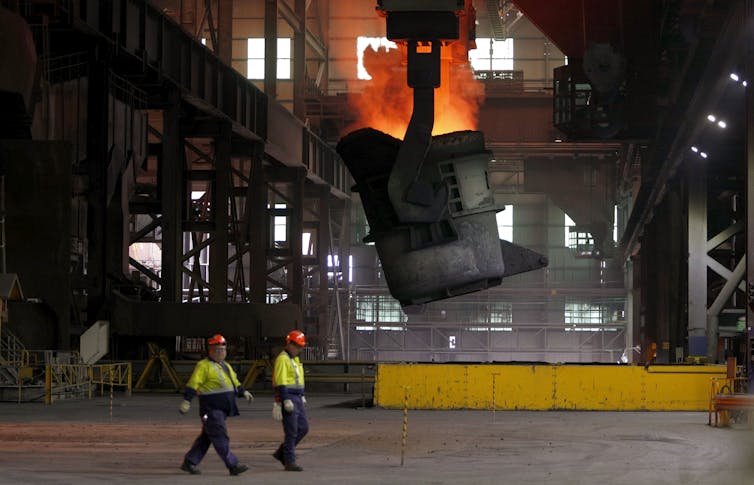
159,357
61,378
115,375
547,387
257,367
728,394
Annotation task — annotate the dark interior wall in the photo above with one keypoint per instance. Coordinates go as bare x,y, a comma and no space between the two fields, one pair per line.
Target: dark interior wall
35,324
524,118
38,207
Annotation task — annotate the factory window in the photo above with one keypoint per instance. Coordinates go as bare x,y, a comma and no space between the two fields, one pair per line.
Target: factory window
275,295
375,43
333,267
307,244
578,240
501,312
492,55
378,309
280,224
505,223
587,317
492,312
255,62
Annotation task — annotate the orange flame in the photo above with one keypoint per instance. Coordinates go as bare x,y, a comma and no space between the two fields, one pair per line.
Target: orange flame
386,102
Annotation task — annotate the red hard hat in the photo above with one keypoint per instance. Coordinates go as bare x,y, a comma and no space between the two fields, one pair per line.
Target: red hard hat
216,339
297,337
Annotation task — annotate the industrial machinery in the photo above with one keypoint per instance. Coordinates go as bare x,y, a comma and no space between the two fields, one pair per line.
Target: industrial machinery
427,199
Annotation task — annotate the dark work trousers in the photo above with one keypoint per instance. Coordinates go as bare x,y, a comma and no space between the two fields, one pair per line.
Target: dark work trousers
295,426
213,432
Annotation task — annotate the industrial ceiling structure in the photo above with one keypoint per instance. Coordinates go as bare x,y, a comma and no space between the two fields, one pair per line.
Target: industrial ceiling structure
152,181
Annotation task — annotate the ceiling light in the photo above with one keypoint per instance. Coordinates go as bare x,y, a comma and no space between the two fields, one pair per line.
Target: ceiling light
703,154
711,118
695,149
744,83
734,76
721,124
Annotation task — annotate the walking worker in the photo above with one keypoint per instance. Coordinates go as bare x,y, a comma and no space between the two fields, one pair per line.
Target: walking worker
288,384
216,384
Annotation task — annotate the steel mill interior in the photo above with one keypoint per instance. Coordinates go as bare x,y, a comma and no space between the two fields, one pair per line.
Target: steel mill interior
507,240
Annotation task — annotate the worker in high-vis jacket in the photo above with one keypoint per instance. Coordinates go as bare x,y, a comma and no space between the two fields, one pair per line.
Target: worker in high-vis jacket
288,384
216,384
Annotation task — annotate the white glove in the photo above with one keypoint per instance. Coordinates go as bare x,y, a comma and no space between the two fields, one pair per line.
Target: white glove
277,411
288,405
303,400
248,396
185,406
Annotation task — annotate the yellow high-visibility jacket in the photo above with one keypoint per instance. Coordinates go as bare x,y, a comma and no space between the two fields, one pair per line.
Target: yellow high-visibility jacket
217,386
288,376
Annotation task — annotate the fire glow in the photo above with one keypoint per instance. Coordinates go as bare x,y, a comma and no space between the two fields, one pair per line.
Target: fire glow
386,101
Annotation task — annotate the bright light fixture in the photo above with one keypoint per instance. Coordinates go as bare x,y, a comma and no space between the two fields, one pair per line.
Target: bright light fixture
744,83
711,118
722,124
703,154
734,76
695,149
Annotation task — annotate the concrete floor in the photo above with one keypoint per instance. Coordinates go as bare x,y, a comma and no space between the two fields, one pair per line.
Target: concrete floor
77,442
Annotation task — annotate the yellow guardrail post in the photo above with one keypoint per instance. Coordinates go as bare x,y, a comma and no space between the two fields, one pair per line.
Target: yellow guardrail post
130,376
48,384
494,376
112,369
405,424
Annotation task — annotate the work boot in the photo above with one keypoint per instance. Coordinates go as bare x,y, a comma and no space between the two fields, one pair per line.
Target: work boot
238,469
190,468
278,455
292,467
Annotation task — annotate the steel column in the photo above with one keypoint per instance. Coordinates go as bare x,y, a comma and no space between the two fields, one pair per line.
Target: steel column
296,229
224,30
171,186
97,157
749,68
218,257
257,226
270,48
702,340
324,247
299,60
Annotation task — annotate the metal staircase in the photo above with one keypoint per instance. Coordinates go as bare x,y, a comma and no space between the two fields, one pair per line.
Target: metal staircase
13,356
24,372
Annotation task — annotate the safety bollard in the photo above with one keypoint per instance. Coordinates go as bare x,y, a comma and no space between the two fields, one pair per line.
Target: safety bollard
493,398
363,397
111,393
48,384
405,425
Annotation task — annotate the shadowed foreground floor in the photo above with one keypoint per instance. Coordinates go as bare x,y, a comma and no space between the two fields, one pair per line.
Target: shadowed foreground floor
144,442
